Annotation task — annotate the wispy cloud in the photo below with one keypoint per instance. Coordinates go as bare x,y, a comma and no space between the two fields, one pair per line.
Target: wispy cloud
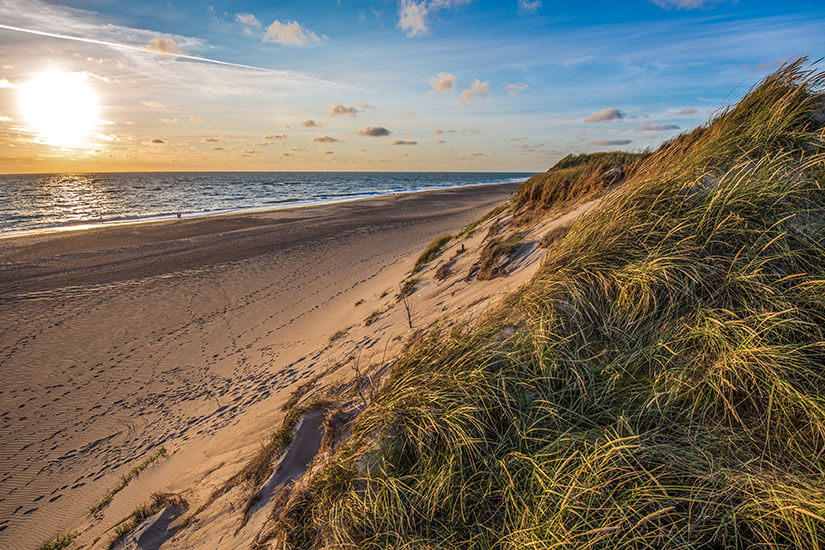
165,46
529,6
248,19
610,142
684,4
655,127
310,124
515,88
324,139
414,15
153,104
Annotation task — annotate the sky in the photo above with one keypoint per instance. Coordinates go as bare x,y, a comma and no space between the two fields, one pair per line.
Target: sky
380,85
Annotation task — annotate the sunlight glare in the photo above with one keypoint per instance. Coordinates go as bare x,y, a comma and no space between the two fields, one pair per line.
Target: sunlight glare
60,107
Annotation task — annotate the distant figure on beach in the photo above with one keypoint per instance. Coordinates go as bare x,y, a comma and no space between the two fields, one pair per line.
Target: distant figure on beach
178,215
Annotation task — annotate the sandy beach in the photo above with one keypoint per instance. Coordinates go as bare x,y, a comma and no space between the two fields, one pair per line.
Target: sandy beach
117,341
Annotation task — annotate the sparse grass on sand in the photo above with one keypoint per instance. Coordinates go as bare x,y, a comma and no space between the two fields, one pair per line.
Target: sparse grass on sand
158,502
431,252
59,543
126,478
658,384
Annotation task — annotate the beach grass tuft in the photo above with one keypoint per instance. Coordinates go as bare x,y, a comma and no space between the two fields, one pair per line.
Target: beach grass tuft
59,543
126,478
157,502
658,384
431,252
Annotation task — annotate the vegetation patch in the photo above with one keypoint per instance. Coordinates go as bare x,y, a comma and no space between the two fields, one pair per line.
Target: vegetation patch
359,302
553,235
497,255
337,335
432,252
407,288
126,478
158,502
470,229
59,543
658,384
372,317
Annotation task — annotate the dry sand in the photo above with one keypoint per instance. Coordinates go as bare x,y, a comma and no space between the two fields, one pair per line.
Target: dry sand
185,334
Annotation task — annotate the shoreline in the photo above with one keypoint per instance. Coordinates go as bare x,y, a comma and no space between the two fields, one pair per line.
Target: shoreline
286,205
184,334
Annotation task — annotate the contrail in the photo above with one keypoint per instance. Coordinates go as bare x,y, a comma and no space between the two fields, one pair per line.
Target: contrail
171,54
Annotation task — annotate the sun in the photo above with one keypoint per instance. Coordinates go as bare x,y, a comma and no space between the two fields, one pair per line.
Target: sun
60,107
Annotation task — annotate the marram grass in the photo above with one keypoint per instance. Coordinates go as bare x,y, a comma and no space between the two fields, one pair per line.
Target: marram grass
659,383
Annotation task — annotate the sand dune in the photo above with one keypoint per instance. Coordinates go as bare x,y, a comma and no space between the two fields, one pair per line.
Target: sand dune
118,341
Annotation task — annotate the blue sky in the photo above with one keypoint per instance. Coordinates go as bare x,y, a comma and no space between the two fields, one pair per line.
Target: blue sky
455,84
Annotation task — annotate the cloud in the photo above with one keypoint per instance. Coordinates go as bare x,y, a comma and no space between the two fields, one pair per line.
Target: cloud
247,19
687,111
5,119
217,148
444,82
171,120
610,141
6,84
165,46
403,142
655,127
297,149
153,104
290,33
515,88
337,109
195,120
440,141
310,124
213,139
251,151
529,6
413,15
324,139
276,136
157,141
439,131
605,115
683,4
477,89
373,131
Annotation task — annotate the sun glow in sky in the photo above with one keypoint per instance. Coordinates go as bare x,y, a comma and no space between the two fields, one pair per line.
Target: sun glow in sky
60,108
418,85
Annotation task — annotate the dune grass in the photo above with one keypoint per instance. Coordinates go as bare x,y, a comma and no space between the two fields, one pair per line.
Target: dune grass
658,384
431,252
59,543
576,177
157,502
126,478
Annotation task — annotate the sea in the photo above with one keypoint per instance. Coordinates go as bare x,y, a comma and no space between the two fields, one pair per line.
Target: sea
57,202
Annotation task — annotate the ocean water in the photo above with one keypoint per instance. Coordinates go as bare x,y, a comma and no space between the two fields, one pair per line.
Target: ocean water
45,202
